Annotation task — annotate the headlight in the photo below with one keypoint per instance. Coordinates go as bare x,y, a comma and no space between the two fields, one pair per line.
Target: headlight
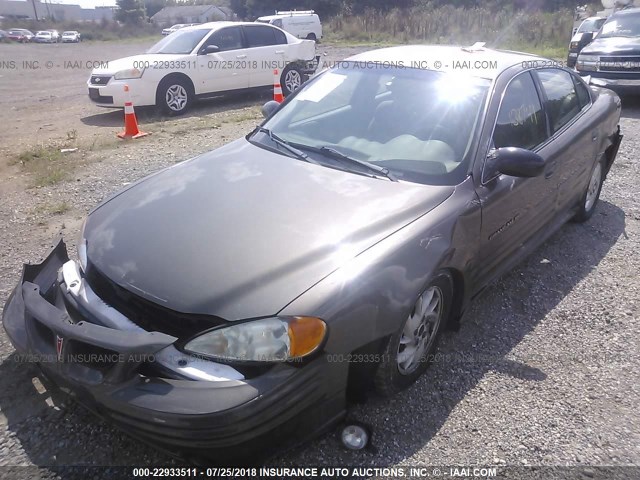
587,63
82,248
129,73
588,58
574,44
270,340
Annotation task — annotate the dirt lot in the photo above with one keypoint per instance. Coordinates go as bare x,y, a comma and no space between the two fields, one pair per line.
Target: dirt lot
543,372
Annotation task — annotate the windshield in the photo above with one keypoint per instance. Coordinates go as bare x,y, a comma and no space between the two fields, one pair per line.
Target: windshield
44,34
69,33
180,41
592,25
416,124
622,26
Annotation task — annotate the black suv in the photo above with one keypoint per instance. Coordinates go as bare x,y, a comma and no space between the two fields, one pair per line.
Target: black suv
613,59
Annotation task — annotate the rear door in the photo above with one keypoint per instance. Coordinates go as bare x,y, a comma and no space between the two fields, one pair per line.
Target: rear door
266,51
574,137
515,209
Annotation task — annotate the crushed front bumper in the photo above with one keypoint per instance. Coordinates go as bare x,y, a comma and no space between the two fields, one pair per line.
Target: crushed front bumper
232,420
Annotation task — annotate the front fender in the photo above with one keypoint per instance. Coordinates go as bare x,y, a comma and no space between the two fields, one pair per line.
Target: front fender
370,296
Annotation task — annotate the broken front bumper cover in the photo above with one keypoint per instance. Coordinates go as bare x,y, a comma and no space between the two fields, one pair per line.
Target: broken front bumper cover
229,419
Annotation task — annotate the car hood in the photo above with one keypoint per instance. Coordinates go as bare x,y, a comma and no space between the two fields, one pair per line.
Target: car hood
613,45
240,232
114,66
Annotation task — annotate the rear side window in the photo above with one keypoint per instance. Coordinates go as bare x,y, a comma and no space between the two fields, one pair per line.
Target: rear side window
521,122
260,36
562,102
583,93
281,38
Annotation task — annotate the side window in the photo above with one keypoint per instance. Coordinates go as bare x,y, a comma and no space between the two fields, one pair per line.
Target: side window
281,38
227,39
562,101
521,121
583,92
260,36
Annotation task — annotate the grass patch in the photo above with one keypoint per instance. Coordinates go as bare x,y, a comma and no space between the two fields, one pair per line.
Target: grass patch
46,163
543,33
59,208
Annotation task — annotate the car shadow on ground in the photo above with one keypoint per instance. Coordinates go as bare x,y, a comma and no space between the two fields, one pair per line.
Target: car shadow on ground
495,324
209,106
53,430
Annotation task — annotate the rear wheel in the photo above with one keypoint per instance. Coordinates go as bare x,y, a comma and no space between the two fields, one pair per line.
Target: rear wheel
410,349
312,36
174,95
292,79
592,194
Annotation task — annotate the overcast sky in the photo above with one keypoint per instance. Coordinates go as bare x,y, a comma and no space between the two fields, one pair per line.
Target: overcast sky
87,3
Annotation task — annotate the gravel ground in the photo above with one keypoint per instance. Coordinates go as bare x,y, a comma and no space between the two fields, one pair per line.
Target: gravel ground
544,370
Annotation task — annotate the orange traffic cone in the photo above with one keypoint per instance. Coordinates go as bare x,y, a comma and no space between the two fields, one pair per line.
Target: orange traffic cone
277,88
130,121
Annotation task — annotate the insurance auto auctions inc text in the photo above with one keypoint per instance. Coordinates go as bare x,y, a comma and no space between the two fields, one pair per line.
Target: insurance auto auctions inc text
385,472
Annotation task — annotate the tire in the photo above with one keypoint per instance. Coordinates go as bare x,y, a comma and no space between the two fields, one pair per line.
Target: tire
174,95
291,79
591,195
399,368
312,36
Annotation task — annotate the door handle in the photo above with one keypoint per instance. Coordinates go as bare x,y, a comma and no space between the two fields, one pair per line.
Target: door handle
241,56
280,52
594,135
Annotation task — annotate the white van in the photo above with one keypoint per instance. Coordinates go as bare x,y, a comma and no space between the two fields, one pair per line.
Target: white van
300,23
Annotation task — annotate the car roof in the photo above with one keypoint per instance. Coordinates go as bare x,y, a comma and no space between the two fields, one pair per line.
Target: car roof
217,25
450,58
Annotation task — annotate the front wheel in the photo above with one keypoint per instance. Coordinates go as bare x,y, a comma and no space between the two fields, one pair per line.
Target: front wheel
174,96
410,349
591,196
292,79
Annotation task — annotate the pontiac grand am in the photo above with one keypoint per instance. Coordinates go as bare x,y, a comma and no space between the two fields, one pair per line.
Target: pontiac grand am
221,307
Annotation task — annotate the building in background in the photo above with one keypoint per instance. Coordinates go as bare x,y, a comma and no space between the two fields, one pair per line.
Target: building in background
26,9
192,14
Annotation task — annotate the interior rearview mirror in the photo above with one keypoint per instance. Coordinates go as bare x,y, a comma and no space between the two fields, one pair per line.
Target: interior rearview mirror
517,162
270,108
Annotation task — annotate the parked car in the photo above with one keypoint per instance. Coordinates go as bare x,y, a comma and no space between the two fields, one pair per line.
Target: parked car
613,59
20,35
178,26
44,36
205,60
240,293
583,36
55,35
301,24
71,36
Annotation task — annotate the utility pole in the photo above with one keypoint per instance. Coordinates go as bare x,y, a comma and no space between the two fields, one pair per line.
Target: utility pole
35,10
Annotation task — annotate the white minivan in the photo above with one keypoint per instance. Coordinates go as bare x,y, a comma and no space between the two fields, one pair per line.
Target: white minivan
299,23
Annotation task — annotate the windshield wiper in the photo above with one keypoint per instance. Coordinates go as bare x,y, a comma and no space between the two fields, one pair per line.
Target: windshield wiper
332,152
285,145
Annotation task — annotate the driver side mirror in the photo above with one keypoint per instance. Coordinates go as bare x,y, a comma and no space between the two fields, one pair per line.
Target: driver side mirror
516,162
586,39
270,108
210,49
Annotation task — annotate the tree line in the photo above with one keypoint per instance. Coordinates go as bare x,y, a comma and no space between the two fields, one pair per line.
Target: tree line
136,11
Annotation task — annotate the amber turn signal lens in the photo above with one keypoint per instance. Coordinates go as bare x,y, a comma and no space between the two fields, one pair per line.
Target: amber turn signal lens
305,334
